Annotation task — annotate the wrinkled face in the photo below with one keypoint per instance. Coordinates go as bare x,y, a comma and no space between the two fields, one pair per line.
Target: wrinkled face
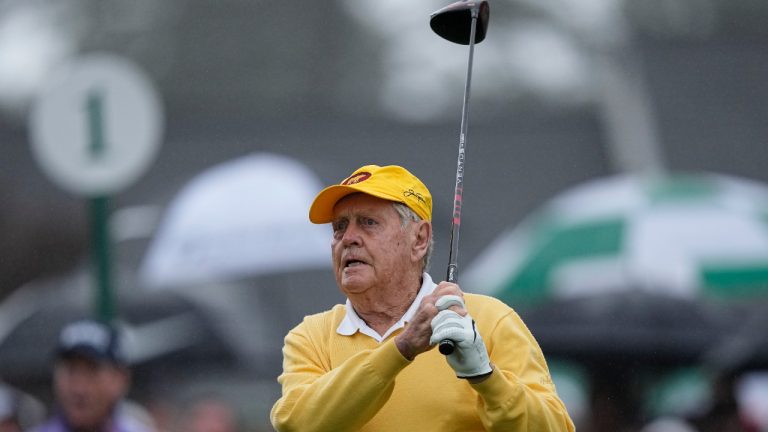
370,246
87,391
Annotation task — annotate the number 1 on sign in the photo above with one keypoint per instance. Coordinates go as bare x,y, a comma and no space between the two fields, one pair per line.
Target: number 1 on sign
95,113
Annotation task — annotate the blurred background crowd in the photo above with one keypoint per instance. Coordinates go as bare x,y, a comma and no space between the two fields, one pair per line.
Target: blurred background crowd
616,194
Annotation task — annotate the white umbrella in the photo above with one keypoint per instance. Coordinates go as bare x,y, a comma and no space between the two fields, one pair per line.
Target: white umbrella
683,235
243,218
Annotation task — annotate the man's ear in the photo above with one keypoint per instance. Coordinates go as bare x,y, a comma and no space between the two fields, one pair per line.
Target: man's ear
422,233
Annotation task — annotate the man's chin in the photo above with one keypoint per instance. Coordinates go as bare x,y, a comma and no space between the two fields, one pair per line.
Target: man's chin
351,284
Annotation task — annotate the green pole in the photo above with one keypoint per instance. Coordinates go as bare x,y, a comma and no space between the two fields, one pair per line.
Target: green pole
104,308
100,251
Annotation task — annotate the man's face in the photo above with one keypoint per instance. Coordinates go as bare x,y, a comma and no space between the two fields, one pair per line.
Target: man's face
370,246
87,390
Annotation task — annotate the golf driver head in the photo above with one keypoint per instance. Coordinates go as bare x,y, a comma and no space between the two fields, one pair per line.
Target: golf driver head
454,21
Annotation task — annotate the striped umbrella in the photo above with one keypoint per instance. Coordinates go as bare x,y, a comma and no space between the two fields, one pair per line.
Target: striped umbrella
684,235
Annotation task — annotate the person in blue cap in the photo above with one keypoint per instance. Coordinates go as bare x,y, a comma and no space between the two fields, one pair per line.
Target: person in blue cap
90,380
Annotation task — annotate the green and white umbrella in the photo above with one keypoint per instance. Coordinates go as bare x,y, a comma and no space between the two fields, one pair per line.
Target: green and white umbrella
618,274
684,235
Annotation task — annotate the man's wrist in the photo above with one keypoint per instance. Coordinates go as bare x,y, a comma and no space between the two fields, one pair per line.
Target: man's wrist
404,348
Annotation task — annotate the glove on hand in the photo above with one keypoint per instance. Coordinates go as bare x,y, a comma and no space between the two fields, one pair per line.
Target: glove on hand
469,358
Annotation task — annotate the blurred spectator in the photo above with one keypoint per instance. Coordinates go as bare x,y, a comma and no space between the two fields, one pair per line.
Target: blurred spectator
9,424
18,410
9,421
164,412
724,413
210,414
90,380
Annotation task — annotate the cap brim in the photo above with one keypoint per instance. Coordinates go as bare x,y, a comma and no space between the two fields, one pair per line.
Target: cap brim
88,353
321,210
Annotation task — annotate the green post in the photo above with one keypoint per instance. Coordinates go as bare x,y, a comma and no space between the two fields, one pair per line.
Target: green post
100,239
100,251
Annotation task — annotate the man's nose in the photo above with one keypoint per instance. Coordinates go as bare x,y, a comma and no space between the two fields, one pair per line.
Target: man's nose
351,235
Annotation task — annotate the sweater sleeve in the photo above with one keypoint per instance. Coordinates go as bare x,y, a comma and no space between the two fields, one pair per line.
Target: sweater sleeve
519,395
318,398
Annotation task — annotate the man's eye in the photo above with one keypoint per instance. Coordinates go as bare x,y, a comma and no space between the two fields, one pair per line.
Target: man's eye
369,222
339,226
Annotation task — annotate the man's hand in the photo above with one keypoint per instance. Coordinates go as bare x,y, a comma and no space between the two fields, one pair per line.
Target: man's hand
469,358
414,339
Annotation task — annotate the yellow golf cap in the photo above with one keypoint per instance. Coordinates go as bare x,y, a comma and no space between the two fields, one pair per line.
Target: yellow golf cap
392,182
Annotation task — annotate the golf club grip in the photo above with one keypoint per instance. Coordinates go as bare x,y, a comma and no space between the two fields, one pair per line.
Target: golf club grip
446,346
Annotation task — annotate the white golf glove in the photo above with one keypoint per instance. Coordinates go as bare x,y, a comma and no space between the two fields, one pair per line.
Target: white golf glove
469,358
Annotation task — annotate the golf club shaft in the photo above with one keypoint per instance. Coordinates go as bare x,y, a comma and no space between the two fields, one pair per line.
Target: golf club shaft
446,346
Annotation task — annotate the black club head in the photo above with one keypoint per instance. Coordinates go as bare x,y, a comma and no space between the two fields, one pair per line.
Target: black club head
454,21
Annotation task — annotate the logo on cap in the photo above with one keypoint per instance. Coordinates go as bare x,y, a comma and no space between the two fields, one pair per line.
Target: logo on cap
356,178
411,193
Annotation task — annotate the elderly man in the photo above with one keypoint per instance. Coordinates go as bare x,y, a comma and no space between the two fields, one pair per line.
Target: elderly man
369,365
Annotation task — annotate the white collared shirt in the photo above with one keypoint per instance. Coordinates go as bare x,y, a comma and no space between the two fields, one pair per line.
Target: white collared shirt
353,323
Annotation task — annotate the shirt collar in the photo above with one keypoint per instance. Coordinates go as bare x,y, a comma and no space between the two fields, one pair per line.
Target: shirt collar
352,322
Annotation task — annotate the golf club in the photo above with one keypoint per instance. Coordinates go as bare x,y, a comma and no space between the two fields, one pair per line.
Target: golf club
464,22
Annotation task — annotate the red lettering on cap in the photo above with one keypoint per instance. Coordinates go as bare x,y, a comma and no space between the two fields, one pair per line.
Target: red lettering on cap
356,178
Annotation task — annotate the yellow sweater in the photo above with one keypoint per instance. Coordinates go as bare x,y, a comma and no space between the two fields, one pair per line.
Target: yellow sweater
336,383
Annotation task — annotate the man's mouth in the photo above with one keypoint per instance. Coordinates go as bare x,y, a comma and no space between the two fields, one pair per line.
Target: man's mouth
353,263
